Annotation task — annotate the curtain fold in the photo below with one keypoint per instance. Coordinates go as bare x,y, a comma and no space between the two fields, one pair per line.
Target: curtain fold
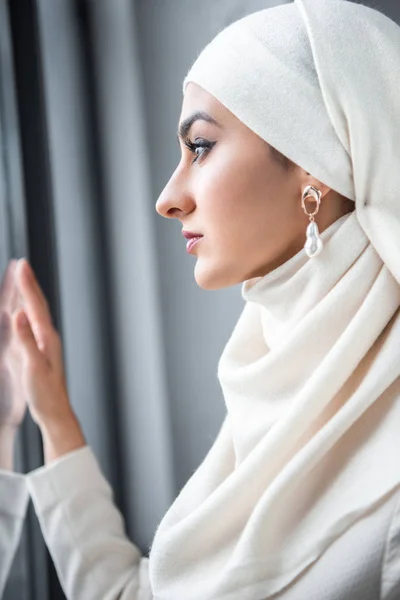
28,578
110,308
136,307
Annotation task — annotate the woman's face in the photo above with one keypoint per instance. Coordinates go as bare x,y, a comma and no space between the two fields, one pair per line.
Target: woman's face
230,189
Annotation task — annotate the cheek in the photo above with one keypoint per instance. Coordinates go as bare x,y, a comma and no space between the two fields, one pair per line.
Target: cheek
225,187
241,200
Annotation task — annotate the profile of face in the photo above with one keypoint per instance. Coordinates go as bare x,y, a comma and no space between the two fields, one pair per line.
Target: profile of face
231,189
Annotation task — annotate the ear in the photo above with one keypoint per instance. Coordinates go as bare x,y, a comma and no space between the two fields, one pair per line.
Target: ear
308,179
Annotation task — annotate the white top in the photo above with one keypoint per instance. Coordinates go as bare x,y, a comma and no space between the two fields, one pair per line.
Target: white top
310,444
84,532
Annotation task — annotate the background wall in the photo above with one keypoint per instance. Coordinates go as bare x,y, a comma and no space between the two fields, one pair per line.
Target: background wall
196,323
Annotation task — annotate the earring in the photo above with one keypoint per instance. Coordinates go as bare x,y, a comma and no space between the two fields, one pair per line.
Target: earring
314,243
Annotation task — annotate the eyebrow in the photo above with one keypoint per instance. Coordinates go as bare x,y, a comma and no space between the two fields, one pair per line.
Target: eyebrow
187,123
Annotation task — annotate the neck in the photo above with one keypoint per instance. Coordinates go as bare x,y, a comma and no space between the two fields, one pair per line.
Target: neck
332,208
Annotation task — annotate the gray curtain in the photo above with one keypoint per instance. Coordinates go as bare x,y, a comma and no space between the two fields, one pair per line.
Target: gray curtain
141,340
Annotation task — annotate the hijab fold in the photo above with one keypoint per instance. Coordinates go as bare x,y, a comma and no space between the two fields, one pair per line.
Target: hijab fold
310,374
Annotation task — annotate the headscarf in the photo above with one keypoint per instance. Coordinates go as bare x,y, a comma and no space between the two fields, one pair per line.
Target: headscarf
310,442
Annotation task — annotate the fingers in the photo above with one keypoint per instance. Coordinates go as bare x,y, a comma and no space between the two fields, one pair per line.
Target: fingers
9,301
35,303
36,309
29,346
24,266
8,288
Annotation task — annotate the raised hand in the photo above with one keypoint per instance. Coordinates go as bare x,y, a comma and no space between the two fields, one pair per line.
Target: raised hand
12,397
40,366
41,369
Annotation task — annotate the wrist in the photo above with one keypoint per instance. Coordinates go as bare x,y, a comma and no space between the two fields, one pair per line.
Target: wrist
8,433
61,436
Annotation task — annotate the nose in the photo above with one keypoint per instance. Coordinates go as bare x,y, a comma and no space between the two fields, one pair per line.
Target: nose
175,200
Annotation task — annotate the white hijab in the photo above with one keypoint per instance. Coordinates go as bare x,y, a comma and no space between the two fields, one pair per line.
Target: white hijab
311,373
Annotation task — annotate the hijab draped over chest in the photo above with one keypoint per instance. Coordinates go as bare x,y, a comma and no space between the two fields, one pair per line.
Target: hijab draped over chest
310,442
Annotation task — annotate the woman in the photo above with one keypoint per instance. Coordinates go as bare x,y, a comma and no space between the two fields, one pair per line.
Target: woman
298,497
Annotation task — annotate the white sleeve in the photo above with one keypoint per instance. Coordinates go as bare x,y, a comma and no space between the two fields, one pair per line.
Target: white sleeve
390,570
84,531
14,499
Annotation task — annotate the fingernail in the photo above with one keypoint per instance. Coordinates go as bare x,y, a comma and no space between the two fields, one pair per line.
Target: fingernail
21,261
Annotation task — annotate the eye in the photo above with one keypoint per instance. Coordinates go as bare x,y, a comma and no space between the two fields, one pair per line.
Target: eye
201,144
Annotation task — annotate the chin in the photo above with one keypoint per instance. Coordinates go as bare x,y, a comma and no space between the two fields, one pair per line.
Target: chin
214,278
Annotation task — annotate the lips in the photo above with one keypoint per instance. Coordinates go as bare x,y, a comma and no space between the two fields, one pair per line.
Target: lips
191,234
192,242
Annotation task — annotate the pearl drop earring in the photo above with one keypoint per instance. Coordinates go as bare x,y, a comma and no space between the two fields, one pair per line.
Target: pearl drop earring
314,243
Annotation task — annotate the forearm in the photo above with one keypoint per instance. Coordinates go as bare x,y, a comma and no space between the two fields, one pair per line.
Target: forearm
61,436
13,503
84,531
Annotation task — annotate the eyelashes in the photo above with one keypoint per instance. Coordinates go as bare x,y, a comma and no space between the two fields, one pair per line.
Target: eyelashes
204,145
